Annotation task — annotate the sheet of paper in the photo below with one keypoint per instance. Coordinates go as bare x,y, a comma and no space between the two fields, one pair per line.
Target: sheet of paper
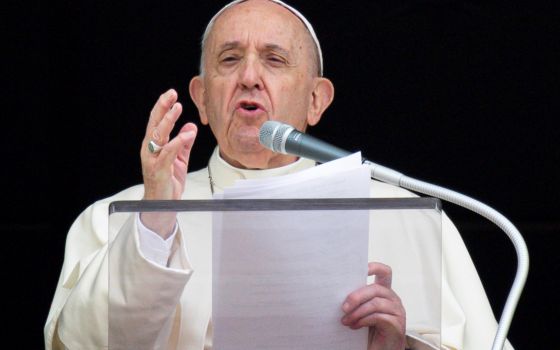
279,278
258,188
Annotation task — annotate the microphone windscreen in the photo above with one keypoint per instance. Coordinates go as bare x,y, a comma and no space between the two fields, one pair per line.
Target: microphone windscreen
272,135
266,133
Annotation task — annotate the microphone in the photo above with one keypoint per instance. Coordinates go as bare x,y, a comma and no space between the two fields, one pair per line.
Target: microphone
283,138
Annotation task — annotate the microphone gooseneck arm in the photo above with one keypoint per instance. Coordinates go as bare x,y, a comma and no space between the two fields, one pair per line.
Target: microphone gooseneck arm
283,138
393,177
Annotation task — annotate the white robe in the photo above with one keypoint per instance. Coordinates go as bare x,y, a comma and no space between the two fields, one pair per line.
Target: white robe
178,298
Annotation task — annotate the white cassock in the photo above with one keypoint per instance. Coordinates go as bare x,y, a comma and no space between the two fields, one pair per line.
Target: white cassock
177,298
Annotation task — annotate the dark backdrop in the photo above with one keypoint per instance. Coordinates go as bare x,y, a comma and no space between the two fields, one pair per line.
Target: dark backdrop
459,93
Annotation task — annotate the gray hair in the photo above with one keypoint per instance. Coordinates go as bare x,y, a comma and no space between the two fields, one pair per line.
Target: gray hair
316,49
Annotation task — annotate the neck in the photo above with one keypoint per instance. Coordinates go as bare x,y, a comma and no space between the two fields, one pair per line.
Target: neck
259,162
223,174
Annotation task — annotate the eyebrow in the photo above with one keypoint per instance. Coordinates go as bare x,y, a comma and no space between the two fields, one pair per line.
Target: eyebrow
280,49
230,45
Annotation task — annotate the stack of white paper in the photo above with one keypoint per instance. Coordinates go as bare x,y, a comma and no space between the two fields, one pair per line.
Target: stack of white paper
280,278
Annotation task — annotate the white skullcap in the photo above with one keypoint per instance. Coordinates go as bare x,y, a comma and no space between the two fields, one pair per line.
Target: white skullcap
292,10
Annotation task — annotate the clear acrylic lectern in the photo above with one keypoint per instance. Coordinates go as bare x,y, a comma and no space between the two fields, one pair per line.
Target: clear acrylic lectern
270,273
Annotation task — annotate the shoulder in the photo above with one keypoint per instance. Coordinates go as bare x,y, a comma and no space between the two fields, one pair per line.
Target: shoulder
198,177
197,185
195,180
96,214
380,189
129,194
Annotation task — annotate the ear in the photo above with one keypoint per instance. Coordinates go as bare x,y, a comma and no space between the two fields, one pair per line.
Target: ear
197,90
321,98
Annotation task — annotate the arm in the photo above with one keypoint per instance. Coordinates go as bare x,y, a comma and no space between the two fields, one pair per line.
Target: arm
467,321
95,272
115,286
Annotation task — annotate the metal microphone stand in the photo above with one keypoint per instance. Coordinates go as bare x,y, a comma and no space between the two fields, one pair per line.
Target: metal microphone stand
393,177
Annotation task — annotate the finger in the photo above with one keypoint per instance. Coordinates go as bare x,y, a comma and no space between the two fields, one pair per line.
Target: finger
161,132
373,306
183,154
382,322
182,142
366,293
165,167
383,273
162,106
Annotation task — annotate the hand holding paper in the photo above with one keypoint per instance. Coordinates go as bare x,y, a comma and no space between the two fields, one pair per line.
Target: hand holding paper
379,307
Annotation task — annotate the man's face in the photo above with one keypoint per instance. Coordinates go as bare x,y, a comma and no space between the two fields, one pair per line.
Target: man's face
258,66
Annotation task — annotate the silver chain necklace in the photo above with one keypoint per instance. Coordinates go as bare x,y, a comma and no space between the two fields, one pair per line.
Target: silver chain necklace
210,180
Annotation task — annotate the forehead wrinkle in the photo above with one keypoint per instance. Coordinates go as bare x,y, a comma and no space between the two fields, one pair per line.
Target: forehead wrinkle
236,44
228,45
266,46
278,48
301,39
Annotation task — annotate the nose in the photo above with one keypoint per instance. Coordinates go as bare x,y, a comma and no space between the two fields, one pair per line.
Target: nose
250,74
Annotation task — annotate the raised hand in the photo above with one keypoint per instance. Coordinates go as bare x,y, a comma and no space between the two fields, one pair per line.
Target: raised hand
165,161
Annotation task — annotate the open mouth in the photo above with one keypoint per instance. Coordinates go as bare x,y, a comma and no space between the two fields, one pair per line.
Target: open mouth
249,106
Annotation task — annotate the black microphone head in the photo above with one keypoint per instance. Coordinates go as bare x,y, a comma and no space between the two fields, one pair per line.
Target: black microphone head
271,135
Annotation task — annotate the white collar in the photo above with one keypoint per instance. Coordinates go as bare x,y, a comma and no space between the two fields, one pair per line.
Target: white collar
224,175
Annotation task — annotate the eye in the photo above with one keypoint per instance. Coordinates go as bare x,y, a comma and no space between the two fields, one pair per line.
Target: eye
229,59
276,60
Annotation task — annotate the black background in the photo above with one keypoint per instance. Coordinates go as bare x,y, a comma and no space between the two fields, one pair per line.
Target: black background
464,94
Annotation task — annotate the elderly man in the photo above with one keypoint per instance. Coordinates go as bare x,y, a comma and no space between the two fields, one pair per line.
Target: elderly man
260,61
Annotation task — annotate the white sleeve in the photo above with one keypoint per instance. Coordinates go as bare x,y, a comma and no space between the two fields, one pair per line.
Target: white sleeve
98,272
152,246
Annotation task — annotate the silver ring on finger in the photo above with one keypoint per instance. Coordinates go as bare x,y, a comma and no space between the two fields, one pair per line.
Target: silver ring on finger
153,147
